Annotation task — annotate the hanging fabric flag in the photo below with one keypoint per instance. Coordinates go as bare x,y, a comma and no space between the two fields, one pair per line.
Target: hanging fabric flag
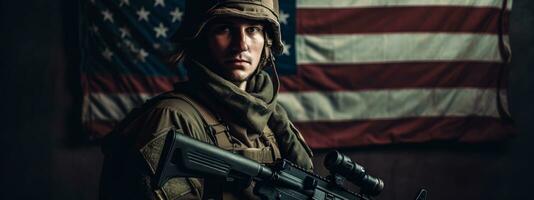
353,72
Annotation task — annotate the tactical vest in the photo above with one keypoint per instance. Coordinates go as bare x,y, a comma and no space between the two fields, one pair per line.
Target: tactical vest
266,149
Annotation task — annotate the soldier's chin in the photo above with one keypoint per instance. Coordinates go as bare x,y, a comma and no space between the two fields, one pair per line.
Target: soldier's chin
238,77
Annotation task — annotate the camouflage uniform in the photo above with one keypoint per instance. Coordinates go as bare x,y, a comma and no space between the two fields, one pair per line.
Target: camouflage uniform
210,109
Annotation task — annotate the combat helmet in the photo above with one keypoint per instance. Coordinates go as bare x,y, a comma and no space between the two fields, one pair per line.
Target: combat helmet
198,13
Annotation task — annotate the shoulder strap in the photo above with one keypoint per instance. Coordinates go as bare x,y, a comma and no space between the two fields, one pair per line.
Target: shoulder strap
213,125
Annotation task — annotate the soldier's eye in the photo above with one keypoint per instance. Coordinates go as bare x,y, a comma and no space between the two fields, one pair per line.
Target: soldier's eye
254,29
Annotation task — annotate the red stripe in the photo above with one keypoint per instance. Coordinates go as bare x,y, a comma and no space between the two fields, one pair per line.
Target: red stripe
373,132
127,83
345,77
414,130
400,19
362,133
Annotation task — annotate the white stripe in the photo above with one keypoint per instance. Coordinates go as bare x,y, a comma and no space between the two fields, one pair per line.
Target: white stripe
339,106
403,47
110,107
387,3
389,104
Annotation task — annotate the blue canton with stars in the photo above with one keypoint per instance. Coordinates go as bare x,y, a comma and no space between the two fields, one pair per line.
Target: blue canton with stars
132,37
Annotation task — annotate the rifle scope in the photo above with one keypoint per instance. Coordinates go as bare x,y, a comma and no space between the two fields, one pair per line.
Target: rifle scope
338,163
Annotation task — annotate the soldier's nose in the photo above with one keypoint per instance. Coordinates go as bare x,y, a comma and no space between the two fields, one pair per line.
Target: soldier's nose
239,41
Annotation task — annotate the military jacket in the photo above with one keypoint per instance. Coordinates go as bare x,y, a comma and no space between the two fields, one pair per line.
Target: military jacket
134,150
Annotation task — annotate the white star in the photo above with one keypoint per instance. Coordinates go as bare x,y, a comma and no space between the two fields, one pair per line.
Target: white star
283,17
124,2
107,54
107,16
130,45
161,30
94,28
143,14
286,49
176,14
142,54
159,2
124,32
156,46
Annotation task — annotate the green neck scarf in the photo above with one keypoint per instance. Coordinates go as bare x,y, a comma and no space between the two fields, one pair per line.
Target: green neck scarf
253,109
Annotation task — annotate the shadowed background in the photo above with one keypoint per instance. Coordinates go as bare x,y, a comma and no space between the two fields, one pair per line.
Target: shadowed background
46,155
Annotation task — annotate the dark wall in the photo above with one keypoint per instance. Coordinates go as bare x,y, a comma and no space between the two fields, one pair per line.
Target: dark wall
45,154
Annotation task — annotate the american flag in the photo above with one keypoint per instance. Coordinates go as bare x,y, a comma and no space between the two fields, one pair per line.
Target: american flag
353,72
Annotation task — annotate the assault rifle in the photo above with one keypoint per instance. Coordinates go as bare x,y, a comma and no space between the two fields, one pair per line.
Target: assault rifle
183,156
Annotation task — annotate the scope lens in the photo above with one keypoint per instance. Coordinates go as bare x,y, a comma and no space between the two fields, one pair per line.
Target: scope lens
338,163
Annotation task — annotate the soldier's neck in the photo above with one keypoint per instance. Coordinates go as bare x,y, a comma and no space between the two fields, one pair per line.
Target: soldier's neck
241,85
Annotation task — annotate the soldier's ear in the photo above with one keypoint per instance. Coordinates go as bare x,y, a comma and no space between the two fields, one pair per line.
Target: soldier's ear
268,40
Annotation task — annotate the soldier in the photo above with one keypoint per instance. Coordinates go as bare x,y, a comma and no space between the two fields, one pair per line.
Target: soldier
228,101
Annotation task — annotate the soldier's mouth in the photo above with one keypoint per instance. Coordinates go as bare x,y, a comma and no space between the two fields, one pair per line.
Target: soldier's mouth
237,61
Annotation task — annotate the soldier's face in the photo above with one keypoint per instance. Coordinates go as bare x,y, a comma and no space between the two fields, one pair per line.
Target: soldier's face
236,46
